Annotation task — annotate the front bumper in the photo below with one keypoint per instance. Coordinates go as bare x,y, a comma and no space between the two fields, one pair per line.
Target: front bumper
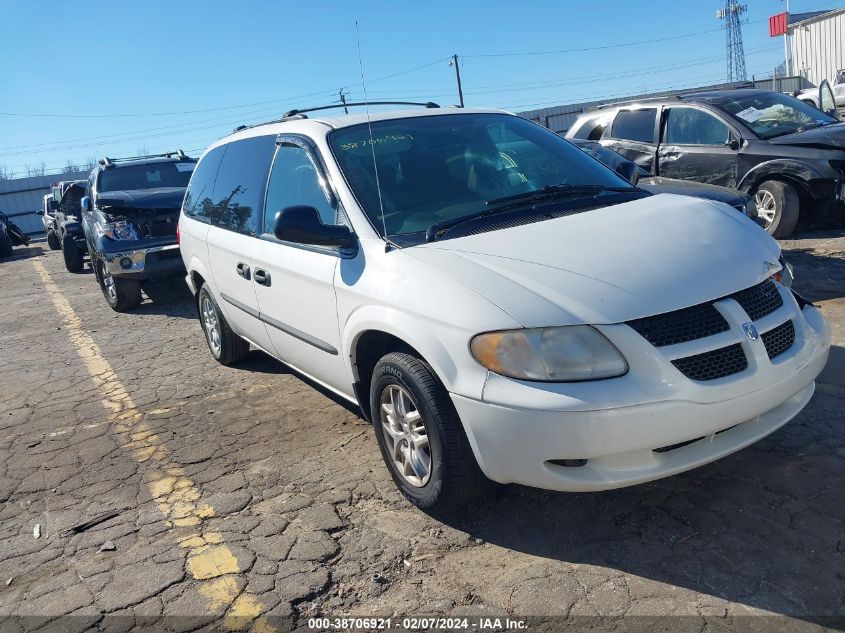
143,263
604,435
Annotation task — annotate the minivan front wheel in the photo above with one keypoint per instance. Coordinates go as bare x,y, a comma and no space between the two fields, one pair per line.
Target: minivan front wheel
421,437
778,206
226,346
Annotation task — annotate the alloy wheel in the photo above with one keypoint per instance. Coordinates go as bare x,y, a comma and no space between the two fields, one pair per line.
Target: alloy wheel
405,435
766,207
211,325
108,282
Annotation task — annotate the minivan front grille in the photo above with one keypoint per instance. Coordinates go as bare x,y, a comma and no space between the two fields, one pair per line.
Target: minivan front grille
703,320
681,326
779,339
759,300
717,363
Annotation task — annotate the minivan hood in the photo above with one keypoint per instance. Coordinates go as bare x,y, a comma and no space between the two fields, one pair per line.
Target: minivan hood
622,262
828,136
158,198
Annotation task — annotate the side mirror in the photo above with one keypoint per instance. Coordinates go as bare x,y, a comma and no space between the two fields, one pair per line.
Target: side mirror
39,212
629,171
734,144
302,225
86,203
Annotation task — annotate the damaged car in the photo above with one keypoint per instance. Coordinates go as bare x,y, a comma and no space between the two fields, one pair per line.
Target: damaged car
500,305
130,213
637,175
786,153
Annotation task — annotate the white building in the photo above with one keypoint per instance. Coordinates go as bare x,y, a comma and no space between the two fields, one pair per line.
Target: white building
22,197
818,44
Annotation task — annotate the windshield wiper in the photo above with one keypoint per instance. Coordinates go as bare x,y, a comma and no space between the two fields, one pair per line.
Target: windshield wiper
497,205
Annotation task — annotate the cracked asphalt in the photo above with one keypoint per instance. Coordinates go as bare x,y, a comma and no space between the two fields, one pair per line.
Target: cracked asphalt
247,499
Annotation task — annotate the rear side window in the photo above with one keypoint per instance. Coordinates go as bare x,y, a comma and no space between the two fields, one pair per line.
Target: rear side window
635,125
590,129
197,203
239,187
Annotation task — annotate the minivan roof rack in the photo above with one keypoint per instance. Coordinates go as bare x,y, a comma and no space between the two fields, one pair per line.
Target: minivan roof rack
352,104
300,113
105,161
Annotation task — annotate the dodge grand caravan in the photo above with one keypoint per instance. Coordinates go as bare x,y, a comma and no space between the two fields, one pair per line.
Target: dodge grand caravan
498,303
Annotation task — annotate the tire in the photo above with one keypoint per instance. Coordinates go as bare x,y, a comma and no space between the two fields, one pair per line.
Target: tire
453,478
779,206
121,294
225,346
72,255
53,240
5,244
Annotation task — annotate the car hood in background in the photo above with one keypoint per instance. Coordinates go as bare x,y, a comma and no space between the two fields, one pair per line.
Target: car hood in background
612,264
160,198
656,184
828,136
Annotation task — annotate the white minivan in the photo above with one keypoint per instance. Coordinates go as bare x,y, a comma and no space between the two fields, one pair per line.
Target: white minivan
499,304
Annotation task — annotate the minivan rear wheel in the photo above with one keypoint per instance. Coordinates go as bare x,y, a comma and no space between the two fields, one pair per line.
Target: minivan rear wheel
226,346
779,206
420,435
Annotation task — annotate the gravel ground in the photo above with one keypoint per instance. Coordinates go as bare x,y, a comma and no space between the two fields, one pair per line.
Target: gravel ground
246,498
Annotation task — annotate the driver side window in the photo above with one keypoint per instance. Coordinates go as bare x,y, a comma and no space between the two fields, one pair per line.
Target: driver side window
688,126
294,182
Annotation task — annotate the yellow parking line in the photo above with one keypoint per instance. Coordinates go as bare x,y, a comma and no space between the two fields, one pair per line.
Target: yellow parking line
176,495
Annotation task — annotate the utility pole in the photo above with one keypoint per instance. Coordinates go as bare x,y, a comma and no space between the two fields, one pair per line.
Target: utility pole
343,101
454,63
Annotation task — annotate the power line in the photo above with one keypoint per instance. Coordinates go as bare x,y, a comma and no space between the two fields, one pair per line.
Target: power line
217,109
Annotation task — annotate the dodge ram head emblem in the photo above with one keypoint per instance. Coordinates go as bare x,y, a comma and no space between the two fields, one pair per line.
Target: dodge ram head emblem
750,331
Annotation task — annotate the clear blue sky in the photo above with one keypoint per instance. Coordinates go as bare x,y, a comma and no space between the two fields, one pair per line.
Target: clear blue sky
182,73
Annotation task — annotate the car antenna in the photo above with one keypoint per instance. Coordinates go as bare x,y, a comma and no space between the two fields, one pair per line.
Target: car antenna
387,240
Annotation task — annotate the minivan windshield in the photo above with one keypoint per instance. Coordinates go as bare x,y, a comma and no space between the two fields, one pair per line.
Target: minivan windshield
146,176
771,114
434,169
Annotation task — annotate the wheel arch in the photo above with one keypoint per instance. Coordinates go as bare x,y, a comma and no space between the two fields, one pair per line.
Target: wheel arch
372,333
791,172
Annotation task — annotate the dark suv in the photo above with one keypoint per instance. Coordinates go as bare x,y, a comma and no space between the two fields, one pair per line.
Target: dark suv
788,154
129,214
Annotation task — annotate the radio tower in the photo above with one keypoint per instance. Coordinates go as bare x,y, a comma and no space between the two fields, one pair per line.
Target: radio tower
733,39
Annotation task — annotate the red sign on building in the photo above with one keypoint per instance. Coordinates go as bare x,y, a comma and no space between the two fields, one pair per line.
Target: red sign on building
777,24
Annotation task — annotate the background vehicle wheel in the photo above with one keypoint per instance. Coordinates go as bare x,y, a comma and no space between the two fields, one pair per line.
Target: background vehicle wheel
778,205
53,240
421,437
226,346
72,254
122,295
5,244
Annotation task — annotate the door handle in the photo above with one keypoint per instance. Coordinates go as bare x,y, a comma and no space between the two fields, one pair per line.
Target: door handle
243,270
262,277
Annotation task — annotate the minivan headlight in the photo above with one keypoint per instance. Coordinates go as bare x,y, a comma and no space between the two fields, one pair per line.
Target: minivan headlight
553,354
